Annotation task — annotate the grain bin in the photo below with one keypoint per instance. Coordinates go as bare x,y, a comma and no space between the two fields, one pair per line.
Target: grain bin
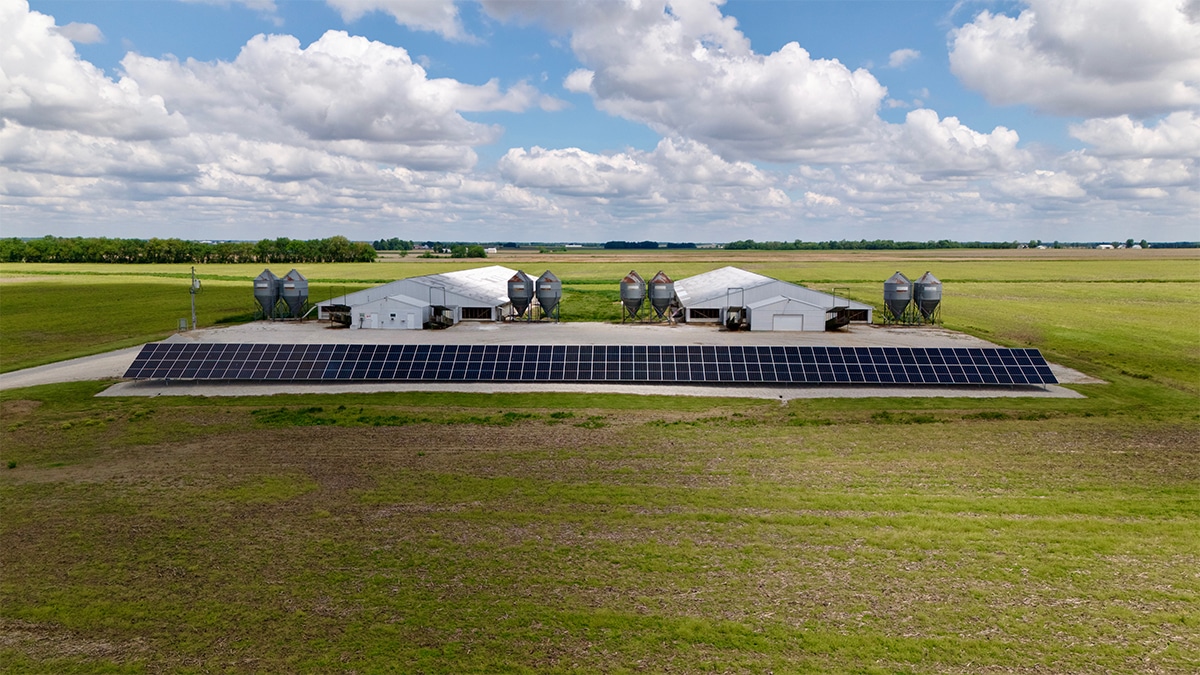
633,294
662,293
549,293
294,290
266,292
520,293
897,293
927,294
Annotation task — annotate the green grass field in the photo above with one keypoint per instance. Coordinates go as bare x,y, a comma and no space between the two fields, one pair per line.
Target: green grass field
588,533
1097,307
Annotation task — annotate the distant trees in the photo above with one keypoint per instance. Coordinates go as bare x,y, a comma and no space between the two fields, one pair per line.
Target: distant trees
465,251
105,250
618,244
862,245
341,249
393,244
455,249
630,244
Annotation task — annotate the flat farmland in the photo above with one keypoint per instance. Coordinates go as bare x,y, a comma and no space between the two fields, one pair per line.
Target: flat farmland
425,532
1113,311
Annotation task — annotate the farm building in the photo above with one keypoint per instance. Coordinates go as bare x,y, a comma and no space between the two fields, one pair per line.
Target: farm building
764,303
409,304
728,295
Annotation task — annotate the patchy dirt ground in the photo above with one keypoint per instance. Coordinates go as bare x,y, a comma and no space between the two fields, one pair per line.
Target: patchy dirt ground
18,408
721,539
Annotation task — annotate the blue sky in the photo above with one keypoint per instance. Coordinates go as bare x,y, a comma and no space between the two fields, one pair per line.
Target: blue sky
587,120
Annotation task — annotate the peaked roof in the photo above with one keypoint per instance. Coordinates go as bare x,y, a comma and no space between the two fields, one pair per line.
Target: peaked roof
711,286
402,299
716,284
487,285
782,299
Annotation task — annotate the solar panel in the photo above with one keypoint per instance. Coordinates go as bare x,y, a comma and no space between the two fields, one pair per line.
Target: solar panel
652,364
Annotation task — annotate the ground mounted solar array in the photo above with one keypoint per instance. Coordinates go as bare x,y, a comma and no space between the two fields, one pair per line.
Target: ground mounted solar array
574,363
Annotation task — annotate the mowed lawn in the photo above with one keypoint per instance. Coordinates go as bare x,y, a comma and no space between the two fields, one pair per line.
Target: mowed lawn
65,316
588,533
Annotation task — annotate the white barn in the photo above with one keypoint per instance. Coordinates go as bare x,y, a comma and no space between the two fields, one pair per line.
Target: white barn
479,294
781,313
769,304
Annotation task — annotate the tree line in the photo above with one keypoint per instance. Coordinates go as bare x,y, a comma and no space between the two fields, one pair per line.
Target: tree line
393,244
645,244
457,249
862,245
890,245
105,250
467,251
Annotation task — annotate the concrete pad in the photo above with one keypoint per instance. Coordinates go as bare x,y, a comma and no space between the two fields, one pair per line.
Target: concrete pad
523,333
113,365
160,388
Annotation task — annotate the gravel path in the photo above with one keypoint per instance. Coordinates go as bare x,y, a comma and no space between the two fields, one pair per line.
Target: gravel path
109,365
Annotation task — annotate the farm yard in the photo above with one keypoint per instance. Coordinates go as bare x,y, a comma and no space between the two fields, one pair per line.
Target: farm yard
555,532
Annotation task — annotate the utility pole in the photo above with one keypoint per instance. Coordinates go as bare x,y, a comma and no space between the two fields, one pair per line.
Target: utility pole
193,290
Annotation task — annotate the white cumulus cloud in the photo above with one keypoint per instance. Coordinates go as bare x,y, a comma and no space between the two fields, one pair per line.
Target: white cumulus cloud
340,89
264,6
902,57
1141,177
436,16
344,134
579,81
347,134
1041,184
684,69
82,33
1177,135
933,145
1087,58
44,85
677,173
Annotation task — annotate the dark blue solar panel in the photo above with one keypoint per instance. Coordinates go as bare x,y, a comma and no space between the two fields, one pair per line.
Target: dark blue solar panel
573,363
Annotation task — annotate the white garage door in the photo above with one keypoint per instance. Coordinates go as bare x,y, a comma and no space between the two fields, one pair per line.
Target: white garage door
788,322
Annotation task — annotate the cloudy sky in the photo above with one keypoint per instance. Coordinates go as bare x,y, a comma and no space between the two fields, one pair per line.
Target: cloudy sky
590,120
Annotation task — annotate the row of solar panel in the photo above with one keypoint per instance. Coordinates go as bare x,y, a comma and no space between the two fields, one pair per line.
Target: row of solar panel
608,364
693,373
592,354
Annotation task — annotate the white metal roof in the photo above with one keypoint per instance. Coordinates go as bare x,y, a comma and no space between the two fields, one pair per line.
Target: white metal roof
486,285
367,294
712,289
784,300
709,286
